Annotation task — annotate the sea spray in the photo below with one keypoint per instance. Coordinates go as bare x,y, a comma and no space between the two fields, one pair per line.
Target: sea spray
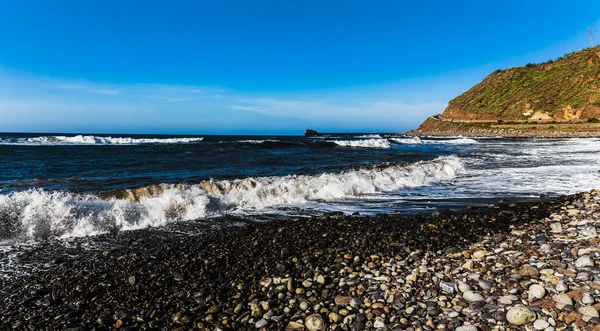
365,143
39,214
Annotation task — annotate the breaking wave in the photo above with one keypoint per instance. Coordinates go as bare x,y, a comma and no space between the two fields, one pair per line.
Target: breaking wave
407,140
374,136
366,143
417,140
38,214
94,140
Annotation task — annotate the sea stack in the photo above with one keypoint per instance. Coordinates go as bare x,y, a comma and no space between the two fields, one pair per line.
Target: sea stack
310,133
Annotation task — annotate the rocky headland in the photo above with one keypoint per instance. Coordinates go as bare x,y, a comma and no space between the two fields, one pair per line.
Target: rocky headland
558,98
530,265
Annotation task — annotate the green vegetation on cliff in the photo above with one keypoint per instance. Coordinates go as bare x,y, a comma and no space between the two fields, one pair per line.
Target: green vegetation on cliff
565,89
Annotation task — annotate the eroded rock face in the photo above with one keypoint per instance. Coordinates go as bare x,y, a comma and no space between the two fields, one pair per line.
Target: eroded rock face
568,113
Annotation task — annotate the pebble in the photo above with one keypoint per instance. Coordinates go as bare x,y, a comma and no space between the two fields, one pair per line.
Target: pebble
536,291
561,287
468,327
540,324
464,287
471,296
587,299
485,285
520,315
314,323
562,300
589,311
294,326
447,287
479,254
261,323
584,261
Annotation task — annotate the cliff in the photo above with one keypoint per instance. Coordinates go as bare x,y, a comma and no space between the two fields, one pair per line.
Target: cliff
555,98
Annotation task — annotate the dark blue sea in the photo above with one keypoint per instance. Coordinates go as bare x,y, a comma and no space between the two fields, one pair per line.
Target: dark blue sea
60,185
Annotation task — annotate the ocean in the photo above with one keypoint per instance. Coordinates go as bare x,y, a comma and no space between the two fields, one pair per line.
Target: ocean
64,186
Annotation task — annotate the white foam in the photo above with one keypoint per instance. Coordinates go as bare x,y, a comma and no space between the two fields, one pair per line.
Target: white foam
458,141
366,143
417,140
407,140
95,140
259,141
370,136
39,214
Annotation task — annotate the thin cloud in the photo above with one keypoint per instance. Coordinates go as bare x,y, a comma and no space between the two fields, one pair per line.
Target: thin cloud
71,101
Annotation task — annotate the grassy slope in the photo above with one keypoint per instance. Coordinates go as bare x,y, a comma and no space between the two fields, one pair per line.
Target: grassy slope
573,80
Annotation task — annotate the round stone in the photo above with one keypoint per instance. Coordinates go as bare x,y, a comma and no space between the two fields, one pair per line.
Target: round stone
469,327
561,287
261,323
485,285
540,324
562,300
335,318
584,261
464,287
536,291
453,314
471,296
520,315
589,311
303,305
587,299
479,254
379,324
314,322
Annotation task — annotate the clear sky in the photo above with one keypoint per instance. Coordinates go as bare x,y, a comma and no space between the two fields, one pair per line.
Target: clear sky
258,66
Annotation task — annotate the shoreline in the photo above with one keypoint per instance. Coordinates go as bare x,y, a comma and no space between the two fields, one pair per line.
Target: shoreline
512,135
335,272
436,127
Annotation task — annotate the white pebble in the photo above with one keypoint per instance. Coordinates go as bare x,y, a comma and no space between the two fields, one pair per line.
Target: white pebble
471,296
520,315
587,299
536,291
540,324
464,287
466,328
561,287
584,261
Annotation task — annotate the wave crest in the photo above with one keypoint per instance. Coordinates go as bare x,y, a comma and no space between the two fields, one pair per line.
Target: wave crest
366,143
95,140
38,214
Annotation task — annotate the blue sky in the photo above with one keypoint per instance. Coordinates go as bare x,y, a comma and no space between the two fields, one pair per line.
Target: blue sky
257,66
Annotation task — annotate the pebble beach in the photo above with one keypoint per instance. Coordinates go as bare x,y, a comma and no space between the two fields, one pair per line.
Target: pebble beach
517,266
